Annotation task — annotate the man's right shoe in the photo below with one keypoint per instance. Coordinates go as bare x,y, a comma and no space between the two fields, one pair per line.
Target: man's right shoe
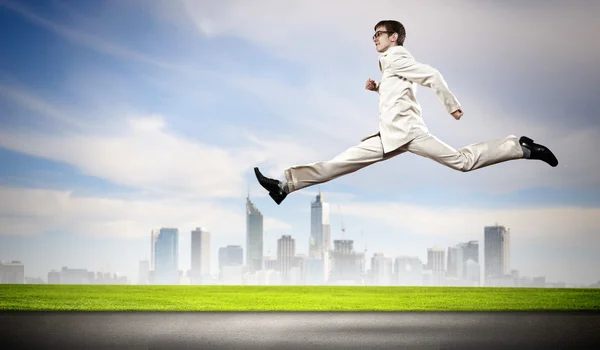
271,185
538,151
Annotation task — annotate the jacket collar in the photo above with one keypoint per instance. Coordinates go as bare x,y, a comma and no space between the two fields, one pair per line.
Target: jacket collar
392,50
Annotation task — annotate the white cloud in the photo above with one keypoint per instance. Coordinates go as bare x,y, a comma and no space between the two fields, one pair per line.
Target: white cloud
35,211
142,156
536,223
282,28
140,152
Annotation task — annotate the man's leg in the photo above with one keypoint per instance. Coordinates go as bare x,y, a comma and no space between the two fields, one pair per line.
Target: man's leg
477,155
354,158
297,177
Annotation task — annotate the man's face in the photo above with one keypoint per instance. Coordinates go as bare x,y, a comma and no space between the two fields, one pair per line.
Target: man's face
383,39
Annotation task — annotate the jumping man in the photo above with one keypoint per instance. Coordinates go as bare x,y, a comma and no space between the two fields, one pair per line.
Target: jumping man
401,125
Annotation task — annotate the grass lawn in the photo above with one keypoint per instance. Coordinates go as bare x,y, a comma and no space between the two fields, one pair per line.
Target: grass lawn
291,298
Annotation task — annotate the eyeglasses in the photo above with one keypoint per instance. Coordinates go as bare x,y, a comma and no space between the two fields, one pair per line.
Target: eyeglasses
379,32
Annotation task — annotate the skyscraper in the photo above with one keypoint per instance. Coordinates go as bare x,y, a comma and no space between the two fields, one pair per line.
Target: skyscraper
381,266
320,228
200,254
496,248
470,252
254,237
435,263
348,266
455,266
166,256
286,252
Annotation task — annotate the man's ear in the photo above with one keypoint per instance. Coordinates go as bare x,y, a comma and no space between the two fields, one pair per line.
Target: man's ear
394,38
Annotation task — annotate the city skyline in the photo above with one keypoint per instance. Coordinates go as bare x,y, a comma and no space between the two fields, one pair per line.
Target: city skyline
118,118
491,253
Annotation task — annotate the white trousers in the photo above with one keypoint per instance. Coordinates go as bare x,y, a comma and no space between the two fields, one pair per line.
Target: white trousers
370,151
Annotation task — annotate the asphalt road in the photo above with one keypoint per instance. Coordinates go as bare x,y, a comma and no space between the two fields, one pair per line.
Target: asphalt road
282,330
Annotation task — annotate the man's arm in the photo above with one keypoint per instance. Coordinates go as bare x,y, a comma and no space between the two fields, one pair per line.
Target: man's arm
427,76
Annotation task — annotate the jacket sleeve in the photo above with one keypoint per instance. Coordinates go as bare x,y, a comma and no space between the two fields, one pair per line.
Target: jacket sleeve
427,76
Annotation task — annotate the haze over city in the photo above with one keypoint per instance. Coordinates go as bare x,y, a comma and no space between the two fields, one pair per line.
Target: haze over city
119,118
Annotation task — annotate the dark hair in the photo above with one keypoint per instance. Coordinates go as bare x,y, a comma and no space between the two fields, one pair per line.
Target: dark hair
395,27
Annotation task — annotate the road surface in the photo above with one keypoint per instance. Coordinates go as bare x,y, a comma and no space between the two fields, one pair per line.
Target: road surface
300,330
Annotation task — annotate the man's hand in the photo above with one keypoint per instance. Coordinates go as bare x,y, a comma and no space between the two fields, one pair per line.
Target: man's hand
457,114
371,85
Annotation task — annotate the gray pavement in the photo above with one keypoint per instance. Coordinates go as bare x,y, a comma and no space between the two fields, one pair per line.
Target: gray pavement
300,330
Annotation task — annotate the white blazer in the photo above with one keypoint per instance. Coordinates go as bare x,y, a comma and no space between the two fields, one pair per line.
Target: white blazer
400,119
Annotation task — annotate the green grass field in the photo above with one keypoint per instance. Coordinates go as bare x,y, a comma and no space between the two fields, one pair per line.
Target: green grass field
292,298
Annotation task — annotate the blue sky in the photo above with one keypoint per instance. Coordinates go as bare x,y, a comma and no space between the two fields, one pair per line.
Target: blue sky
120,117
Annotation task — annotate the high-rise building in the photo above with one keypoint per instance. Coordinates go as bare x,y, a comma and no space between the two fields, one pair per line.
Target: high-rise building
381,267
496,251
320,228
231,255
435,259
286,252
348,266
435,263
455,266
166,257
200,255
470,251
254,237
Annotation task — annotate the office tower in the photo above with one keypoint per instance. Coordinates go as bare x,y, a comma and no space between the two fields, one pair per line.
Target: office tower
435,259
12,272
231,255
496,251
320,228
381,266
455,266
200,255
348,266
470,251
435,263
254,237
166,257
286,252
153,237
408,271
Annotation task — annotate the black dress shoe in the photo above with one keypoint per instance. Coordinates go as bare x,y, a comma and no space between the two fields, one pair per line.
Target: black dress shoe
538,151
272,186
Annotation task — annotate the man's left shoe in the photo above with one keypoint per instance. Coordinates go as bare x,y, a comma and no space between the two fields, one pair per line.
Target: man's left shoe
272,186
538,151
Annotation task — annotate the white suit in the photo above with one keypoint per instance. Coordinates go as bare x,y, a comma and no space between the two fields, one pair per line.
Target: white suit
402,129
